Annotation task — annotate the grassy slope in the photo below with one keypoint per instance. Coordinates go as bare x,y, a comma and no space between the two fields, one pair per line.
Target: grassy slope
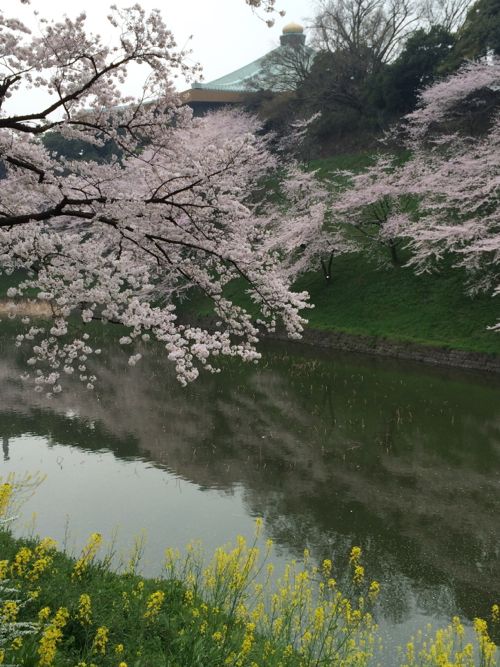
397,304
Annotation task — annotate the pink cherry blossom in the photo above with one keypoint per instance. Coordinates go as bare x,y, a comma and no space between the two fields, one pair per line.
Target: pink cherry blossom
181,207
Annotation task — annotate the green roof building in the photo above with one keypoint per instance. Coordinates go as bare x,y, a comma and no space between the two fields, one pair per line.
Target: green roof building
235,87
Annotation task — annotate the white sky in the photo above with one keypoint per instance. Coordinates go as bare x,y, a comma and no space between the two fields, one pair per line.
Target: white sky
226,34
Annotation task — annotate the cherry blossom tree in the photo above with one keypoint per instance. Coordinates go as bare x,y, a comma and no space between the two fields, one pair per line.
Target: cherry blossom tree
455,176
444,199
309,239
374,205
124,241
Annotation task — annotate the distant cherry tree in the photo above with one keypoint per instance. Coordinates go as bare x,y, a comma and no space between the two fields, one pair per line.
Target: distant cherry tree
443,198
178,208
455,176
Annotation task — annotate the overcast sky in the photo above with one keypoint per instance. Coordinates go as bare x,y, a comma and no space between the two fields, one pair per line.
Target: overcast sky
226,34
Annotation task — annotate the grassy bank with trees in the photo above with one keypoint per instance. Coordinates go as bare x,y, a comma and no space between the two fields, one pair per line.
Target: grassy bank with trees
367,295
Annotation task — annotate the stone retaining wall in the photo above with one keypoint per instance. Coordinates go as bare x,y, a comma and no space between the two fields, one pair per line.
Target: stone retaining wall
373,345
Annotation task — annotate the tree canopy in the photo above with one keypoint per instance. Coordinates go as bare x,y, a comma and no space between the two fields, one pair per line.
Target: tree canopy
124,240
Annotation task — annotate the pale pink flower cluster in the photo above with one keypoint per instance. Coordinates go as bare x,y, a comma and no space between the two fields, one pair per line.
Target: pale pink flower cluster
180,207
443,200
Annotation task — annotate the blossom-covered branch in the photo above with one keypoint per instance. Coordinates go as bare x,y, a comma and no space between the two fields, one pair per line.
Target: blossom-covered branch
175,209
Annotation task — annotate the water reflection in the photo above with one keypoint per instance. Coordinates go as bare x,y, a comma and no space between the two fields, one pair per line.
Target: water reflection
331,450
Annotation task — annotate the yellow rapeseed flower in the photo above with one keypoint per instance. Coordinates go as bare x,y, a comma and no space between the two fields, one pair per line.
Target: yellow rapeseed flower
457,626
50,638
39,567
125,601
16,643
359,574
43,614
327,567
374,590
319,618
307,637
100,640
495,613
21,560
84,613
480,626
87,556
45,545
5,498
355,555
9,611
4,566
154,605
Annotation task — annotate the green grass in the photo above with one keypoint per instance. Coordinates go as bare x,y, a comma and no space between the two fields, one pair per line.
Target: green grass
397,304
349,161
391,303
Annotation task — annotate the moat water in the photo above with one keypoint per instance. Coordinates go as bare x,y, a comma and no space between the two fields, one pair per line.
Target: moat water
331,450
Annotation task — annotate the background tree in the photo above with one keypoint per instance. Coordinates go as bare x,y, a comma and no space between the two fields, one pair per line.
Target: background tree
479,34
443,201
371,32
396,89
284,69
447,14
372,59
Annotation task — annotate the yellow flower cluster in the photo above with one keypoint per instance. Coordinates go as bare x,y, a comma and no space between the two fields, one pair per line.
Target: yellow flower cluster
306,620
486,646
5,498
9,611
233,608
100,640
31,564
21,560
154,605
44,614
374,591
84,612
42,558
16,644
446,647
495,613
87,556
51,637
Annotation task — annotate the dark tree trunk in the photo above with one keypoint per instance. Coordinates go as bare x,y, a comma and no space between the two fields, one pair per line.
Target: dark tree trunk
394,253
327,268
